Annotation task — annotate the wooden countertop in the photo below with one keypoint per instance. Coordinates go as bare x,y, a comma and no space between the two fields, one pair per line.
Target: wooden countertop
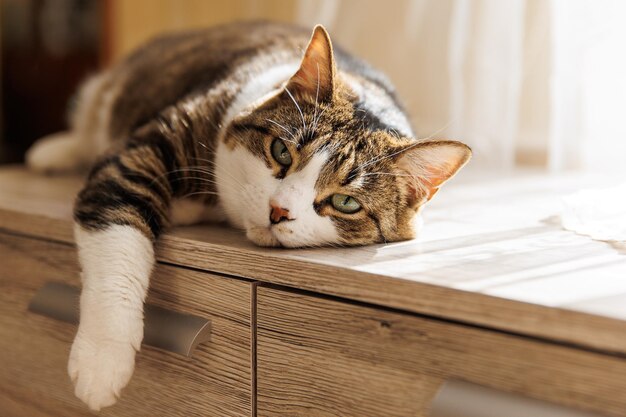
491,254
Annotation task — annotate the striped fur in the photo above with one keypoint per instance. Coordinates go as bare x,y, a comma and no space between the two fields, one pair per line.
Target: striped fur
183,130
163,148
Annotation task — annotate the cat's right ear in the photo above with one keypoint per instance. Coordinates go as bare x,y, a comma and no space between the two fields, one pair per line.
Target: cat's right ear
429,164
316,76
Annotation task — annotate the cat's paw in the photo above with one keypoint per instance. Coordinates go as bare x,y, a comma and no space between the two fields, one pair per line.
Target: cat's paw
100,370
57,153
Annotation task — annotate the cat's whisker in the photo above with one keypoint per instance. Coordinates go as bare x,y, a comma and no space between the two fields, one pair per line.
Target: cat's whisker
232,183
215,180
167,173
195,168
198,169
210,163
205,146
384,157
438,131
297,107
199,193
206,181
394,174
231,180
418,142
238,136
192,178
318,118
214,164
288,140
290,133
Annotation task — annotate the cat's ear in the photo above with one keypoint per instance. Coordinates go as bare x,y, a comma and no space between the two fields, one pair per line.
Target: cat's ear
316,75
429,165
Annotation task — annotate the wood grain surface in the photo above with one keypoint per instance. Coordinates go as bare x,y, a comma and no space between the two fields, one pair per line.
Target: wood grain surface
322,357
491,254
216,381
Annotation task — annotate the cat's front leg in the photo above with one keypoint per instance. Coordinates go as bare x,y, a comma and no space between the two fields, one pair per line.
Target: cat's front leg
116,262
125,205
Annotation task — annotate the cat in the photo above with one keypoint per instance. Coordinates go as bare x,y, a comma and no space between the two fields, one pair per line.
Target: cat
231,123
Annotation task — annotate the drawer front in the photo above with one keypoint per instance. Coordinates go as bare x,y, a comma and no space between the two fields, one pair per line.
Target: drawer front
322,357
215,381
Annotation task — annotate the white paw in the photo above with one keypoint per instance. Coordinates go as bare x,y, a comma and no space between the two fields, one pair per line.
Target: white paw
100,369
60,152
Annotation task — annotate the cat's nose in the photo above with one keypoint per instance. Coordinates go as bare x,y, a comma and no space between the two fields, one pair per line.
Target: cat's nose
278,214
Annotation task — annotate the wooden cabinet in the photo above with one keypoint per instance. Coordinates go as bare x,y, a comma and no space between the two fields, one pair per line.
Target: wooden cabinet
521,307
215,381
322,357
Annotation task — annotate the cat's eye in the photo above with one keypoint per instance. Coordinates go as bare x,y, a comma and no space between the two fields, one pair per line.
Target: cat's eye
345,203
281,153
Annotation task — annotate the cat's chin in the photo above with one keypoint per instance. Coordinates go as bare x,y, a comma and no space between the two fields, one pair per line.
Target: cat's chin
262,236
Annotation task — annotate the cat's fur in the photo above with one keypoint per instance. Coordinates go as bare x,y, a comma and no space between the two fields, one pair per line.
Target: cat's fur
182,132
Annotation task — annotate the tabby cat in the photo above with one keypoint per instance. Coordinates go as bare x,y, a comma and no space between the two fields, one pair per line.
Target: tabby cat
229,124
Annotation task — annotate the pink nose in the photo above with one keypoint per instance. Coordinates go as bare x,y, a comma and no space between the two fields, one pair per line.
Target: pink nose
278,214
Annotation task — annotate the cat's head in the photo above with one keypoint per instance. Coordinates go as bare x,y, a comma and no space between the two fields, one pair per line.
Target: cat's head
315,166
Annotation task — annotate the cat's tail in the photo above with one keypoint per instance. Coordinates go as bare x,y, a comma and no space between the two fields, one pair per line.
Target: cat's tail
77,149
61,152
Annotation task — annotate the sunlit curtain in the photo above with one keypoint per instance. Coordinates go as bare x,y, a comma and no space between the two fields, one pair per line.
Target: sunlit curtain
525,82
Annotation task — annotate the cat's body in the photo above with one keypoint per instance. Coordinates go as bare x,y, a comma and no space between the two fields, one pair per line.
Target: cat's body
229,124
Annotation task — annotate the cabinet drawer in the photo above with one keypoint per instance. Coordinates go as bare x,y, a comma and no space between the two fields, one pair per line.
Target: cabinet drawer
215,381
323,357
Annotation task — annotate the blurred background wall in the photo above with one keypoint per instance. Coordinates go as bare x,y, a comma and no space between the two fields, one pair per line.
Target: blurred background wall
526,82
47,47
134,21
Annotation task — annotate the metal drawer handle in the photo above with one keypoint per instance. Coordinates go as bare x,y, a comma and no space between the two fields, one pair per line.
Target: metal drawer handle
165,329
464,399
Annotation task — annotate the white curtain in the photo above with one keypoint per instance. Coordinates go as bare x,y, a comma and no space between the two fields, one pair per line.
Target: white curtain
524,82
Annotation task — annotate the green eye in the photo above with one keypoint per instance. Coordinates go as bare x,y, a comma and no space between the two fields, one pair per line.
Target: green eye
281,153
345,203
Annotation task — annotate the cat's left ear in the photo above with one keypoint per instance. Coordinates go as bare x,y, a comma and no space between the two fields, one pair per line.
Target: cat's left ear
316,75
429,165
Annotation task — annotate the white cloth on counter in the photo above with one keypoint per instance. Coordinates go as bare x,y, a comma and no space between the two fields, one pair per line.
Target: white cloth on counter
598,213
